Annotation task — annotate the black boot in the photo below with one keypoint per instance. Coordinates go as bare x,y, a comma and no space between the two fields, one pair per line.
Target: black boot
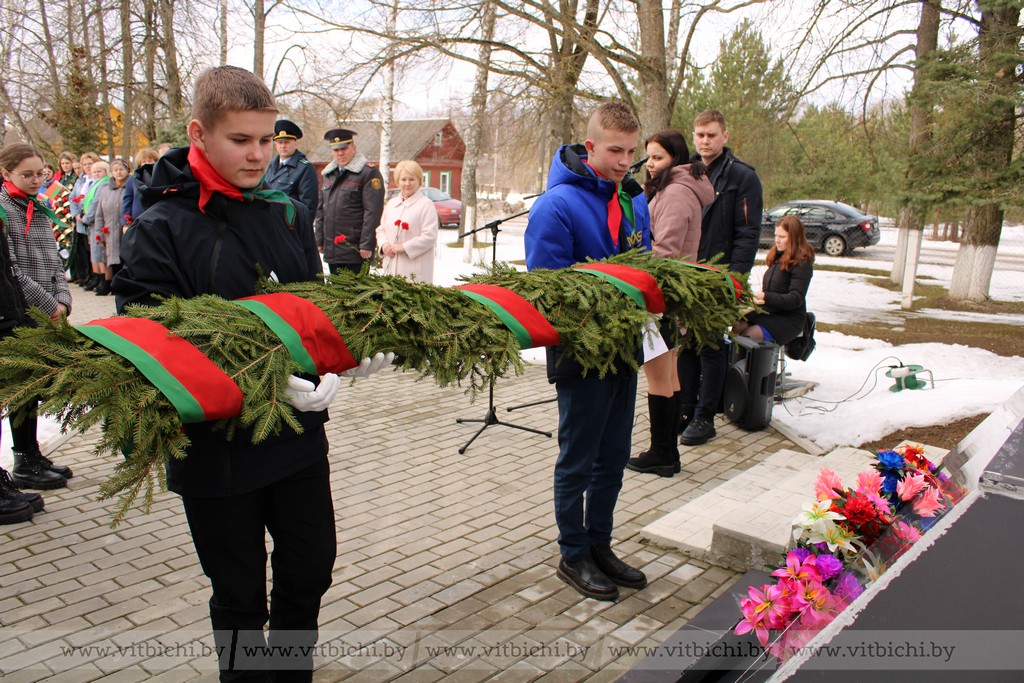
30,473
12,508
62,470
663,455
103,288
9,490
91,283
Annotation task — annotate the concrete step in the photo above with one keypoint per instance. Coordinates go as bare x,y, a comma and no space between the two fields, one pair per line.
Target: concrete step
746,522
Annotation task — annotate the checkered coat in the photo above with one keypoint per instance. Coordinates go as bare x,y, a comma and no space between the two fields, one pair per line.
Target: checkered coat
35,258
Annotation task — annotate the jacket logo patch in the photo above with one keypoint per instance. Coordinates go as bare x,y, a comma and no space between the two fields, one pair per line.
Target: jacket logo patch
634,240
375,183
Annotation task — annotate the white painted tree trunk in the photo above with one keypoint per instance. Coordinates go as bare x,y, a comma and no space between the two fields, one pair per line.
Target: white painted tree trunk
972,274
899,259
913,256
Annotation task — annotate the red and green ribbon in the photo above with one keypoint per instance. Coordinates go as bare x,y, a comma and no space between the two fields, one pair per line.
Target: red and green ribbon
736,285
638,285
529,327
195,386
305,330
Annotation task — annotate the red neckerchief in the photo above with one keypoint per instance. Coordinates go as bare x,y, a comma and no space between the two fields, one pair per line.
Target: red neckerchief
209,180
614,208
30,210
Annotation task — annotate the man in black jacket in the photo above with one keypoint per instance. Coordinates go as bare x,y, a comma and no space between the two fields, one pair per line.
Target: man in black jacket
290,171
351,203
730,228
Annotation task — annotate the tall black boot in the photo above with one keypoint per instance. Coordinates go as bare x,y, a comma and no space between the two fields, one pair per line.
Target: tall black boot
30,473
675,415
659,459
62,470
12,508
92,282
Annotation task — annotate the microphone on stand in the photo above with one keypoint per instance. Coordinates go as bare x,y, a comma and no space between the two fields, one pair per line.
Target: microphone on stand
635,166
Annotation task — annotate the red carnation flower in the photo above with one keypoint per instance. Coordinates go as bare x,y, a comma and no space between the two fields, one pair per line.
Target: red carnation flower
405,226
98,238
859,511
106,230
398,223
339,239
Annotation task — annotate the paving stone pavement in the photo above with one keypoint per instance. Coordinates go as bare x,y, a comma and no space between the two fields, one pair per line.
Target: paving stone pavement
446,562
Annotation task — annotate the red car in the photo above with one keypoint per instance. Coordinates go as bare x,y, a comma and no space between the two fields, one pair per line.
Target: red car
449,211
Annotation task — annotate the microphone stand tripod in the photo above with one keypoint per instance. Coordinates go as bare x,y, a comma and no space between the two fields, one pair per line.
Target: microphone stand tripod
491,418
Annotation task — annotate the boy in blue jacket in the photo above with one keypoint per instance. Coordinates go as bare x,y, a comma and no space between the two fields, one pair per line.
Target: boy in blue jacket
592,209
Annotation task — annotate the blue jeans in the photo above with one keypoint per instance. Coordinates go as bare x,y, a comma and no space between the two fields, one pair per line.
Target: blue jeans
595,430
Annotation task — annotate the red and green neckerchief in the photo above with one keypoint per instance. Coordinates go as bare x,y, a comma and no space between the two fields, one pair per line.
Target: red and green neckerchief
32,204
195,386
210,181
527,325
621,204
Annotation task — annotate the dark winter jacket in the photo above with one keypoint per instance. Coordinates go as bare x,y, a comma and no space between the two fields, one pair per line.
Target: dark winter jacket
174,249
12,301
569,224
351,203
297,178
785,300
732,222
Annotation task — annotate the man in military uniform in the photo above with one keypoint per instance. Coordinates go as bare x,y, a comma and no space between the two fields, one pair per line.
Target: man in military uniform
290,171
351,202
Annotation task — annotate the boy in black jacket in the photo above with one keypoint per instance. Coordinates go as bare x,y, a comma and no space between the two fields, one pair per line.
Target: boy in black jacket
209,229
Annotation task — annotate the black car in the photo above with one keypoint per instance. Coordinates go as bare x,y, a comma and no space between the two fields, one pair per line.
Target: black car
832,227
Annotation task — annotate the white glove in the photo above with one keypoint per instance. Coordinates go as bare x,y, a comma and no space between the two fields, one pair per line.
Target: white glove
303,396
370,365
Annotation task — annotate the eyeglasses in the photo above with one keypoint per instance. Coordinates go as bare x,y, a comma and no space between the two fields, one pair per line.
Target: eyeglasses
29,176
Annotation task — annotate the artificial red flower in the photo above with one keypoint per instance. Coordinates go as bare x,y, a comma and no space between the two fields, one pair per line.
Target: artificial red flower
339,239
859,511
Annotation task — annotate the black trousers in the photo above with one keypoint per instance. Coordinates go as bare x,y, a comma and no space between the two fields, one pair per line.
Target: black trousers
78,261
229,537
702,380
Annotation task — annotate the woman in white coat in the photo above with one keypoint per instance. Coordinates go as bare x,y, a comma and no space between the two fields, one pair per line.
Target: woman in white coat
408,228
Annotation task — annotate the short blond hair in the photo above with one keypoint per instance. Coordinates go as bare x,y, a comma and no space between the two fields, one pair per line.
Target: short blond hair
614,115
92,156
411,167
225,89
100,165
146,155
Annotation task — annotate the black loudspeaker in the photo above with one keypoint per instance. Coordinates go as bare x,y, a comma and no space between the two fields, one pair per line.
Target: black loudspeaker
749,393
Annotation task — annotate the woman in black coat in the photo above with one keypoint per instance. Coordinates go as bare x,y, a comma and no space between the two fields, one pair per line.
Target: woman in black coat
783,295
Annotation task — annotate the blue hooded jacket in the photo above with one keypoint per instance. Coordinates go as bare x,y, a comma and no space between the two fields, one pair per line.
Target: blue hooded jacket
569,222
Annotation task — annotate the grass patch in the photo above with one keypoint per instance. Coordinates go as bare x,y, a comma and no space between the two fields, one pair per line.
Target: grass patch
1002,340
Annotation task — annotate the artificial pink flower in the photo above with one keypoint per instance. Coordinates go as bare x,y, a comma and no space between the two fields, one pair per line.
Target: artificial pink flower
906,532
869,482
765,609
928,503
799,570
828,484
911,485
